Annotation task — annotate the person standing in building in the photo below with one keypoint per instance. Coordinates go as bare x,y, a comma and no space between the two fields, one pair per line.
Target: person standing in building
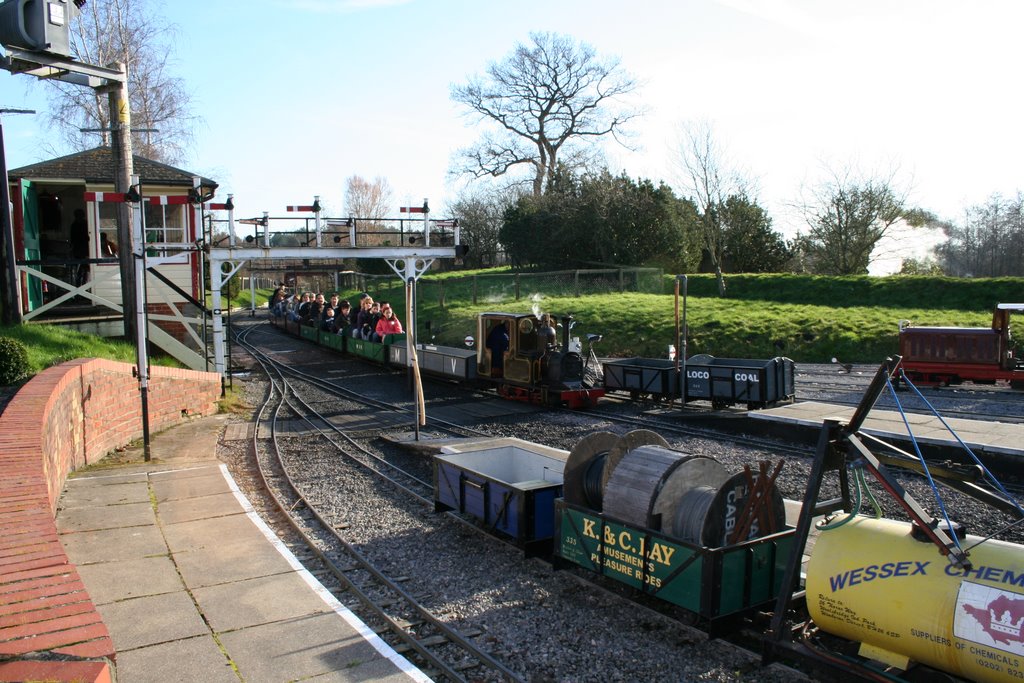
79,239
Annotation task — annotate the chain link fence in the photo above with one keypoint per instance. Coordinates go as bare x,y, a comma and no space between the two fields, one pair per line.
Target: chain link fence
502,288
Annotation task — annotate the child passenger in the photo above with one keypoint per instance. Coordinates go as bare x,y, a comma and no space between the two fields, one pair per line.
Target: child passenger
388,323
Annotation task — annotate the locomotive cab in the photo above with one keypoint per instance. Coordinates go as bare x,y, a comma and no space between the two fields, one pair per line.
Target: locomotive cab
513,347
523,354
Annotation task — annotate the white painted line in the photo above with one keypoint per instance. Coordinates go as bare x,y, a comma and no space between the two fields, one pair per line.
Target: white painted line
344,612
183,469
72,480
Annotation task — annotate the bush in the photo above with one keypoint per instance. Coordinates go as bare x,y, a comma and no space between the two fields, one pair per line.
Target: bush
13,361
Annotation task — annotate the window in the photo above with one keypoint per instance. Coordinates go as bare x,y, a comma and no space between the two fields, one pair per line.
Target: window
164,225
108,229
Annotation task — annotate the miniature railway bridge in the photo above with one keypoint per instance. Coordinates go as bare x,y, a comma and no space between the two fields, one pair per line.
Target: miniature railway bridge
408,246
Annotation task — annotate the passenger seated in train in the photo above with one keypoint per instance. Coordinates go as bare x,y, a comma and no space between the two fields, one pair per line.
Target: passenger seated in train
303,309
294,303
314,311
362,322
371,326
387,324
276,303
342,318
327,324
332,303
498,343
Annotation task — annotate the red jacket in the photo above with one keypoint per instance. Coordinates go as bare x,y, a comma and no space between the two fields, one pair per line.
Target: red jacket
386,326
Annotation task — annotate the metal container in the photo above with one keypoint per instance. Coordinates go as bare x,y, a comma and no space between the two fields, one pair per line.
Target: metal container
447,361
725,381
509,489
713,583
655,376
872,581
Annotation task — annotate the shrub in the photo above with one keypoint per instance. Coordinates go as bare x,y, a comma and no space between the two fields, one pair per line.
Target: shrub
13,361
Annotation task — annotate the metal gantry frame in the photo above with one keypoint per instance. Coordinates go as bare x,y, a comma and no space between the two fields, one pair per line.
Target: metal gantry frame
407,262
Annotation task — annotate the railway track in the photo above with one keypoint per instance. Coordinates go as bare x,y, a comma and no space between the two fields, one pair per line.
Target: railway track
323,376
643,607
379,599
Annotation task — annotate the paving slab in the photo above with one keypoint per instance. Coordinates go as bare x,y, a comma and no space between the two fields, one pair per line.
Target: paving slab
120,580
180,661
260,600
152,619
96,518
214,532
86,547
206,482
203,507
233,562
305,647
88,492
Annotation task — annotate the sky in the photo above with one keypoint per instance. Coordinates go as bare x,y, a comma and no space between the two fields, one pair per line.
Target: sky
295,96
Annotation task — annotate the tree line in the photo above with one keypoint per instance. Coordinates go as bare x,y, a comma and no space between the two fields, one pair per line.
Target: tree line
546,104
550,201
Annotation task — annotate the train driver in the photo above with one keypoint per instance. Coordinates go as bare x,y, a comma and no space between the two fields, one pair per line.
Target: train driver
498,343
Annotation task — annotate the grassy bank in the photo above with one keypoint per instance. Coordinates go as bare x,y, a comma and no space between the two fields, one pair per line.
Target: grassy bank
810,319
900,291
644,325
50,345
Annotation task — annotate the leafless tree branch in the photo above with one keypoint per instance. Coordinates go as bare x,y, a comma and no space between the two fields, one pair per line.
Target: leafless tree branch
544,99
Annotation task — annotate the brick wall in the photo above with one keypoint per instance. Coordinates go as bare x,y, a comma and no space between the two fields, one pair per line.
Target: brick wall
75,413
66,417
174,328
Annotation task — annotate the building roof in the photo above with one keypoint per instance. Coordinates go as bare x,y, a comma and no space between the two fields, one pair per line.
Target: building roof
97,166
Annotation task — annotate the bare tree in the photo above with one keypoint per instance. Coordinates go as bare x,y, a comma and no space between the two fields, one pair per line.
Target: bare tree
708,177
481,213
109,31
847,216
545,100
368,199
990,240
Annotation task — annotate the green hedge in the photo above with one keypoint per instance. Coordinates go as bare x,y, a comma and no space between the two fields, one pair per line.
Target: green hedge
897,291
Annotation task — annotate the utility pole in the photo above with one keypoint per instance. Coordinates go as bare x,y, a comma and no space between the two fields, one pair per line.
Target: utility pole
11,283
121,147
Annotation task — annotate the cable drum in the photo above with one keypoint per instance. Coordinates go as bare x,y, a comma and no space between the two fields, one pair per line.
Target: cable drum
593,479
710,517
649,482
584,470
631,440
691,513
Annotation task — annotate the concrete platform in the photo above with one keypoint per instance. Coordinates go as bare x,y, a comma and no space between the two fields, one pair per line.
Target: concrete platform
194,586
994,438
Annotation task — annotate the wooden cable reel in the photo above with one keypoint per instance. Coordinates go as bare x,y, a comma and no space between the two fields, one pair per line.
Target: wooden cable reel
633,439
690,497
649,482
584,469
742,508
